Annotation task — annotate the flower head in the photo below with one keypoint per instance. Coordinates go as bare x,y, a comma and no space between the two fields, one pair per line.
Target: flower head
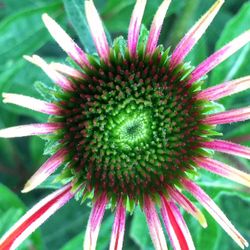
132,127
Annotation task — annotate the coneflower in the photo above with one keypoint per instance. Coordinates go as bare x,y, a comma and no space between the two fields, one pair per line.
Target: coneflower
132,127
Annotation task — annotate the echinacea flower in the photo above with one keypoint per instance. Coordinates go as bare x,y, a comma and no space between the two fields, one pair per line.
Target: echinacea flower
132,127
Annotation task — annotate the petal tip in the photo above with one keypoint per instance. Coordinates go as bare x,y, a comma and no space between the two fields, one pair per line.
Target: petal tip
220,2
5,96
46,19
202,220
27,187
27,58
25,190
88,4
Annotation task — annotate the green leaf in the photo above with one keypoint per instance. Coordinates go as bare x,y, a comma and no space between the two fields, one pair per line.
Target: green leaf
76,14
24,32
75,243
240,134
198,53
204,238
116,14
214,237
36,147
214,184
103,238
13,5
139,230
19,77
105,233
245,67
11,209
50,183
211,232
237,210
237,25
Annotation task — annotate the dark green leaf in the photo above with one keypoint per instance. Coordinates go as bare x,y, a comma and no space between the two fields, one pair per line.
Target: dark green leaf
11,209
198,53
139,231
11,6
76,14
237,210
19,77
237,25
50,183
103,238
240,134
24,32
116,14
75,243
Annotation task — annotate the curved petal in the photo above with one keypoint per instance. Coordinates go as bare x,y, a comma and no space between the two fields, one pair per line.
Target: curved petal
59,79
31,103
183,226
154,225
45,170
31,129
135,25
230,116
67,70
219,56
184,202
215,212
224,170
65,41
194,34
228,148
225,89
118,227
156,26
175,233
35,217
94,223
97,30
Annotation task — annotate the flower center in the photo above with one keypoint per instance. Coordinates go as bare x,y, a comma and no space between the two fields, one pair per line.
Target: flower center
132,126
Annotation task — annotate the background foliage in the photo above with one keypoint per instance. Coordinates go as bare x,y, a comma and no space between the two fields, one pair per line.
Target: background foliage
22,32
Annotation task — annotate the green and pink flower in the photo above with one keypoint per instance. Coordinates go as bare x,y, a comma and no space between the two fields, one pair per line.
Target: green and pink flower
131,126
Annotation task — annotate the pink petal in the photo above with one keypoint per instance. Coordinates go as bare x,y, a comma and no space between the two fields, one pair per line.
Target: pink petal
31,129
182,224
97,30
175,233
64,41
225,89
31,103
45,170
67,70
219,56
94,223
234,115
135,25
118,227
215,212
186,204
59,79
154,225
194,34
224,170
35,217
228,148
156,26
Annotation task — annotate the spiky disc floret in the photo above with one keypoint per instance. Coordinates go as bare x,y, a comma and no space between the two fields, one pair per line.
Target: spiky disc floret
131,125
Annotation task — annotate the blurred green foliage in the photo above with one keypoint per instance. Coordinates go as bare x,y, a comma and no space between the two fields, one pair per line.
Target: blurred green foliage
22,32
